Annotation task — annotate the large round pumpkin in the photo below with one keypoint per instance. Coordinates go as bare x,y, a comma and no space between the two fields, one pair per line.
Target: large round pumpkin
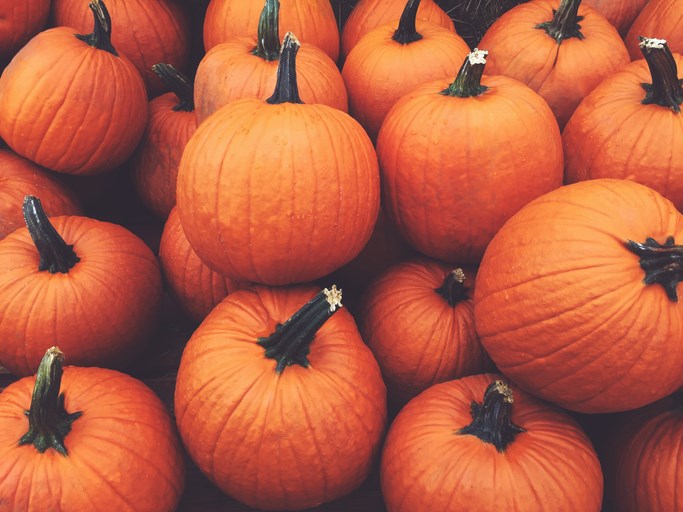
90,439
576,296
278,400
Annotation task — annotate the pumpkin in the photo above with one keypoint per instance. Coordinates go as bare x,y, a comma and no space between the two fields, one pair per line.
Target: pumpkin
170,125
662,19
147,32
88,285
418,319
312,20
278,400
576,300
628,127
21,21
562,50
75,439
278,191
196,287
476,444
71,102
443,187
18,178
368,14
620,13
389,62
246,67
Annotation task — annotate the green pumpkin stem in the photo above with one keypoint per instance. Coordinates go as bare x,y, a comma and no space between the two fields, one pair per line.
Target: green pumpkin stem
565,22
662,263
286,88
453,289
406,32
55,254
468,81
48,421
666,88
492,419
179,83
268,44
290,342
101,34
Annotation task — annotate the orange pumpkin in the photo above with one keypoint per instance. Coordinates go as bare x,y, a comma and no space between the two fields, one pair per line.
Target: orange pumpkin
278,400
620,13
90,438
576,297
21,21
246,67
19,178
662,19
278,191
477,445
91,286
561,49
71,102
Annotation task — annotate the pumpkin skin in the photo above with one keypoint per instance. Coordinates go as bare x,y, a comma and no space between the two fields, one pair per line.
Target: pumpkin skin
423,460
620,13
123,452
421,336
369,14
145,31
18,178
563,74
71,107
659,18
196,287
21,21
561,305
279,441
103,309
312,21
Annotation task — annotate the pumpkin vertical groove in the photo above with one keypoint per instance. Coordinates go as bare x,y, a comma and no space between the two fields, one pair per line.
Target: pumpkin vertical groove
565,22
100,37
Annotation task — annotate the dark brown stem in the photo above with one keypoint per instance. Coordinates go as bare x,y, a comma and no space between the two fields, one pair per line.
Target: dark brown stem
666,89
406,32
55,254
268,44
48,421
286,88
468,81
101,34
453,289
179,83
662,263
492,419
291,341
565,22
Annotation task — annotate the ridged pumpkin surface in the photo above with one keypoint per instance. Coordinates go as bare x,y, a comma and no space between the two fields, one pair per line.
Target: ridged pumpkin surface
19,22
620,13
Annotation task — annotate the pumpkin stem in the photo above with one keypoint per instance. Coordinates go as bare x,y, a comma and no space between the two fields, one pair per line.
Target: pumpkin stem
101,34
662,263
565,22
290,342
468,81
452,289
666,88
286,88
48,421
55,254
406,32
492,420
179,83
268,44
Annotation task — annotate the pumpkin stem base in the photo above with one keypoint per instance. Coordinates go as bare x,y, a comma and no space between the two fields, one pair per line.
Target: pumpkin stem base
452,289
268,43
565,22
101,34
666,89
662,263
406,32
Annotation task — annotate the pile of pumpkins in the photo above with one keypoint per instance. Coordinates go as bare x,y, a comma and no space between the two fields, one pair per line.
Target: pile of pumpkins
523,266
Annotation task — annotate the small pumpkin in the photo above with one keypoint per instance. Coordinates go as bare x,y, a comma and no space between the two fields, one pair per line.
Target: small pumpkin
88,285
21,21
91,439
477,445
620,13
662,19
278,400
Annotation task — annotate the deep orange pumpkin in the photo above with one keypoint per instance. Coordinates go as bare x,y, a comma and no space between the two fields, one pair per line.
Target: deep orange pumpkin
90,439
20,22
278,400
71,102
88,285
575,299
620,13
477,445
662,19
19,178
